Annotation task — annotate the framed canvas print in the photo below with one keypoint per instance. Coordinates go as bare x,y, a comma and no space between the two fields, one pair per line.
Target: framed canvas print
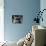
17,19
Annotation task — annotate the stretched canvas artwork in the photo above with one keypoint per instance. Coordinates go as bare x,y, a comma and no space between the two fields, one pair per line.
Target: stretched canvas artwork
17,19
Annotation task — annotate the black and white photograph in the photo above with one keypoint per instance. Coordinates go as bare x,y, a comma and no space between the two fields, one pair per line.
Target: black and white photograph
17,19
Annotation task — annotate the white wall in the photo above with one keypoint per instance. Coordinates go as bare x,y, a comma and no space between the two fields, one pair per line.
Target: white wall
43,6
1,20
